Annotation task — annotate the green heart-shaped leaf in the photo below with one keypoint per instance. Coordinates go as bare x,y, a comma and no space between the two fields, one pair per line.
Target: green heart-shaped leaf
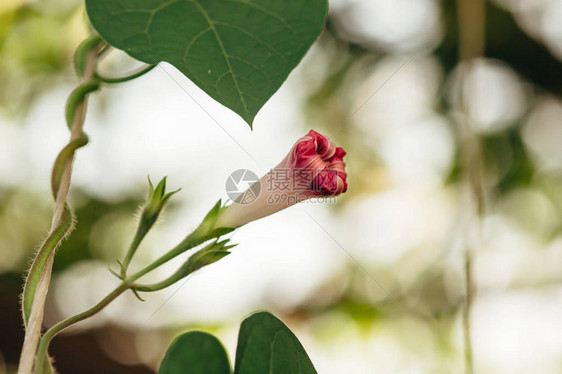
238,51
266,345
195,352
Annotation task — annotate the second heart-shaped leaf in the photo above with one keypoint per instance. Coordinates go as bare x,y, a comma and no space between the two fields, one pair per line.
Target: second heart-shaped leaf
238,51
266,345
195,352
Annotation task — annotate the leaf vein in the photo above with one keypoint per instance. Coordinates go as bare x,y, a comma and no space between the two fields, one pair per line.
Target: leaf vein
151,18
192,42
271,354
127,11
219,40
268,12
251,65
258,39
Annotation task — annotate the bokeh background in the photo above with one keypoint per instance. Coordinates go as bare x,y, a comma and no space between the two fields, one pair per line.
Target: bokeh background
372,284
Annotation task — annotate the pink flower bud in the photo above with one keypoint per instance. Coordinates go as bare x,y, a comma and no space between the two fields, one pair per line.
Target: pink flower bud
313,168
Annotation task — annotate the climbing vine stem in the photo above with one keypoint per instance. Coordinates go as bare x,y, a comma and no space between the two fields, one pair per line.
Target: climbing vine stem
39,276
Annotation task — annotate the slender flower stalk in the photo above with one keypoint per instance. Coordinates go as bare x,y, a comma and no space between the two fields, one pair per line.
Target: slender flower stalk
313,168
211,253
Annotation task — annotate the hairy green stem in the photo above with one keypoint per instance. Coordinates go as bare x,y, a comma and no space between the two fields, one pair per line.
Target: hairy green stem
44,342
41,275
39,263
124,286
197,237
139,236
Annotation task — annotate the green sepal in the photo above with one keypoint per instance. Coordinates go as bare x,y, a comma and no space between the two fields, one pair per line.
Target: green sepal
157,199
207,227
203,233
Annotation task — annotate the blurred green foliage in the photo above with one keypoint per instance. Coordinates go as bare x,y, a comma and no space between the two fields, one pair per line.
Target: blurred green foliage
37,39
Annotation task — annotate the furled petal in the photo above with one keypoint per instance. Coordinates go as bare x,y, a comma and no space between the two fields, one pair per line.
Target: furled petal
313,168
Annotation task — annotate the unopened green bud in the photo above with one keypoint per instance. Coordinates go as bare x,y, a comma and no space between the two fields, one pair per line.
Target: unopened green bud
209,254
157,199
